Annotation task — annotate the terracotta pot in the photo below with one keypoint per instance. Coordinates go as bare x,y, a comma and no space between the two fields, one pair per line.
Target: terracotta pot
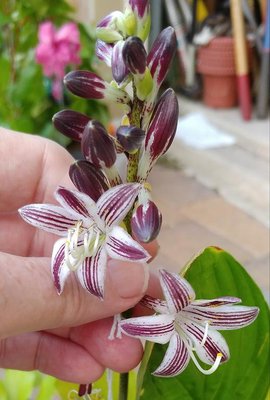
216,64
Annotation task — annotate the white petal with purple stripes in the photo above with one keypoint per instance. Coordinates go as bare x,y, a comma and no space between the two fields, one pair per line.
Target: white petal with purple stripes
91,273
59,269
207,346
222,317
50,218
116,202
157,328
77,203
121,246
175,360
177,291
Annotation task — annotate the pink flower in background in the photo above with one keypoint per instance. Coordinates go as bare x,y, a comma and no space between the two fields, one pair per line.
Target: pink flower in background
57,49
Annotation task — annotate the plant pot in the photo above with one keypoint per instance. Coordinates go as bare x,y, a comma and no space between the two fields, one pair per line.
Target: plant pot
216,64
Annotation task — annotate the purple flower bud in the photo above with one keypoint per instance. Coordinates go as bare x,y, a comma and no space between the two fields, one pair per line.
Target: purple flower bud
109,20
134,55
104,51
130,137
88,85
97,146
163,124
146,222
119,68
85,84
161,54
88,179
84,389
139,6
70,123
160,133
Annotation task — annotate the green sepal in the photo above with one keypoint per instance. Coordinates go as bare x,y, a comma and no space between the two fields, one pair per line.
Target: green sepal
144,84
108,35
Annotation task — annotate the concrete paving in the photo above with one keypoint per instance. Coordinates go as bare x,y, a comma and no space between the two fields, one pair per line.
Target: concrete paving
240,173
196,217
217,196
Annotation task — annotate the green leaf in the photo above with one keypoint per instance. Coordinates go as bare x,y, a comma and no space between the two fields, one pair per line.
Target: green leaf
215,273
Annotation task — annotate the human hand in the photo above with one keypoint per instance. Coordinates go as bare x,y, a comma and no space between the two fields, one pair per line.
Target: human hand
67,335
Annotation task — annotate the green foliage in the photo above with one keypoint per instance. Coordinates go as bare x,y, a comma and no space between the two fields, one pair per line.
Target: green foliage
245,376
25,100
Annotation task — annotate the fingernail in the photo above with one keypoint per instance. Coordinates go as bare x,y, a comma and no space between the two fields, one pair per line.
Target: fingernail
129,279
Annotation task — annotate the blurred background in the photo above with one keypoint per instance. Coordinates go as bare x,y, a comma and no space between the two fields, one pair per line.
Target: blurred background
213,185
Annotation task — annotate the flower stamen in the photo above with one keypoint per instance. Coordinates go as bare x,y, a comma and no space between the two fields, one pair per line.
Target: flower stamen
205,333
210,370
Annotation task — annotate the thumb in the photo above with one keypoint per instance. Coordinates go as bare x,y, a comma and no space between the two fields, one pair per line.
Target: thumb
29,301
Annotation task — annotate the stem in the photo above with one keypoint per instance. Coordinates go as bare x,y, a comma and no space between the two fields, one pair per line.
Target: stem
135,119
123,386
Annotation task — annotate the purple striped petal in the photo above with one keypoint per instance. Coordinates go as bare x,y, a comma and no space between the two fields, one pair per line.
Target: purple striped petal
88,179
59,269
85,84
97,146
214,343
91,273
177,291
157,305
222,317
161,54
77,203
114,204
121,246
220,301
157,328
104,51
119,68
146,222
160,133
70,123
175,360
50,218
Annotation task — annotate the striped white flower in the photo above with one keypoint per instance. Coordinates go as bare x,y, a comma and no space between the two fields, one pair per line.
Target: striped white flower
188,325
91,233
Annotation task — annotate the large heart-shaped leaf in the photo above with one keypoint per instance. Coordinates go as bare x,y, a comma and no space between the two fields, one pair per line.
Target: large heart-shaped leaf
212,274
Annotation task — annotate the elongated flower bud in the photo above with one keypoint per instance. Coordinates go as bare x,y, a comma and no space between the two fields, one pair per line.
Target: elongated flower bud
71,123
111,20
97,146
84,390
141,11
161,54
119,68
88,179
130,137
104,51
134,55
160,133
146,222
88,85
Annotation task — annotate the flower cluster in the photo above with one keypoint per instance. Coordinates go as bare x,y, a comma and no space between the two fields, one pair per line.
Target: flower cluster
111,212
56,50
